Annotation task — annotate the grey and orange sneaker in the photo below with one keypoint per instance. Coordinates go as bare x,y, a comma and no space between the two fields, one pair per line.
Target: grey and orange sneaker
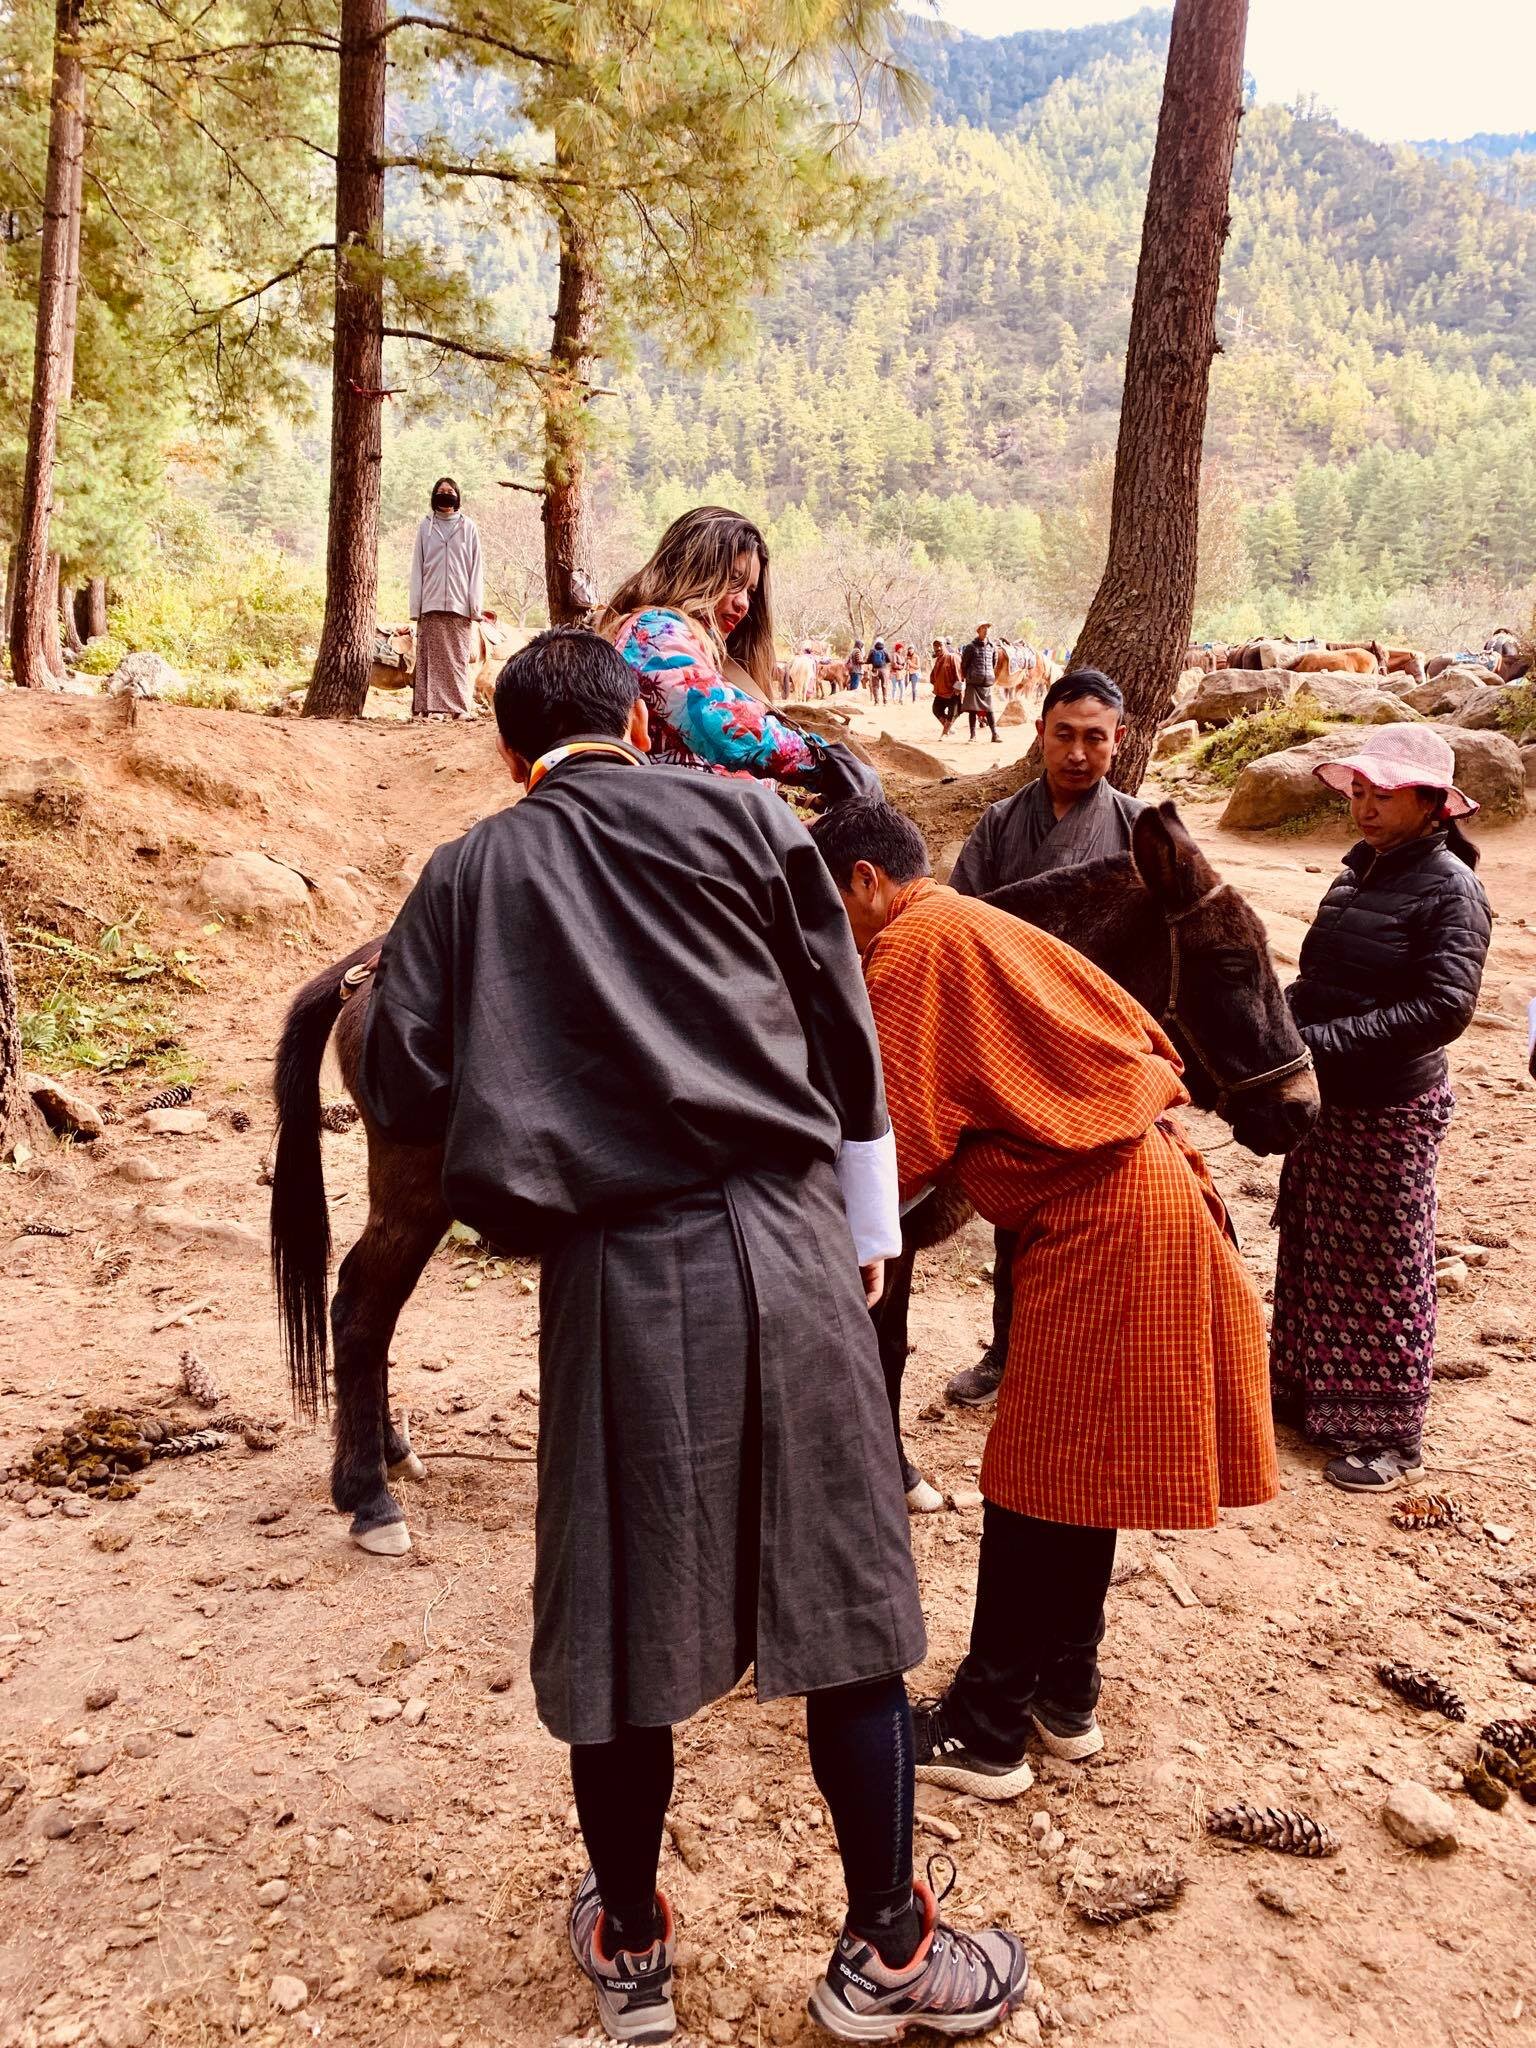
634,1992
956,1984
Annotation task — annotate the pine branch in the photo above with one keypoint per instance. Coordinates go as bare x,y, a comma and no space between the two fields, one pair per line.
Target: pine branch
213,318
463,348
534,177
470,35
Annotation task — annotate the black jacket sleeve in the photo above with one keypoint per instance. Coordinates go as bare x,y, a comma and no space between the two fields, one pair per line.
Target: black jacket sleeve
405,1078
1453,929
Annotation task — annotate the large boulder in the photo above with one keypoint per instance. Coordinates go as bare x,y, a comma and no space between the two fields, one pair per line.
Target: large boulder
1281,786
1177,738
142,675
1482,710
63,1110
1233,692
250,887
1352,697
1447,691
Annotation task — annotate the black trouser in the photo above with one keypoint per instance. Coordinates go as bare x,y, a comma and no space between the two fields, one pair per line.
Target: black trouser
860,1739
1036,1630
983,709
889,1316
1004,1244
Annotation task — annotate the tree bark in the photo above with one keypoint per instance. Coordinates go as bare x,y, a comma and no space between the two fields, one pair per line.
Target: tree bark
1139,623
50,646
339,685
92,610
69,617
569,581
15,1105
34,617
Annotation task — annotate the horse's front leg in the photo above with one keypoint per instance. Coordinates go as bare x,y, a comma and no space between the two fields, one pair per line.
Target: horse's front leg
376,1280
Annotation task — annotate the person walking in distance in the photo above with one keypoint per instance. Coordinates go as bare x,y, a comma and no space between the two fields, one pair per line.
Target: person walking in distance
978,667
879,666
447,599
856,665
944,681
1071,814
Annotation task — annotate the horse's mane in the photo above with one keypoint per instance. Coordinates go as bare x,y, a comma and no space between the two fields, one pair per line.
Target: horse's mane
1086,905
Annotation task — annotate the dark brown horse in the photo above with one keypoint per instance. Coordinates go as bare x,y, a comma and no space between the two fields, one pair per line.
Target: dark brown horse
1159,921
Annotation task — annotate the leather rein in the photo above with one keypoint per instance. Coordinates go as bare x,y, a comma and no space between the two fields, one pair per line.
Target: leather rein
1171,1021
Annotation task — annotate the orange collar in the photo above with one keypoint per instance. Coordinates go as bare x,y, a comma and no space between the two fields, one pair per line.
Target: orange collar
617,750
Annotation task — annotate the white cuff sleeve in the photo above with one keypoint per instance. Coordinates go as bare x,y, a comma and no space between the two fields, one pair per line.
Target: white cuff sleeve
866,1174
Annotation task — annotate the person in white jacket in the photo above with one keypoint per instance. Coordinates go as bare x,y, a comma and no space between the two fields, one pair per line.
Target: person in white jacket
447,599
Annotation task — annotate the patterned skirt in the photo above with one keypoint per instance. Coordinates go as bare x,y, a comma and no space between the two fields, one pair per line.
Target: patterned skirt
444,650
1352,1345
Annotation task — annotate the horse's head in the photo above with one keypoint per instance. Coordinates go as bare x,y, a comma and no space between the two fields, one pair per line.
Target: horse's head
1243,1056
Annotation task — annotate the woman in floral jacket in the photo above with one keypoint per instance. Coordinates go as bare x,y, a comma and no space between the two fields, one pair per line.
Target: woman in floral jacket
697,624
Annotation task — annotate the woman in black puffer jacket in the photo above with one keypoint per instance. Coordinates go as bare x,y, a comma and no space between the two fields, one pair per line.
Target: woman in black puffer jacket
1390,973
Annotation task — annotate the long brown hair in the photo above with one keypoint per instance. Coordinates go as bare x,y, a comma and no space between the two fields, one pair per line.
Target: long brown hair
693,567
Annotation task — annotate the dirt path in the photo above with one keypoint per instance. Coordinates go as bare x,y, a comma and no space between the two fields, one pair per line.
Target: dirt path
325,1767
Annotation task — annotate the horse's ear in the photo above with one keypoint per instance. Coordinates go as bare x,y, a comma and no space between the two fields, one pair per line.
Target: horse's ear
1174,869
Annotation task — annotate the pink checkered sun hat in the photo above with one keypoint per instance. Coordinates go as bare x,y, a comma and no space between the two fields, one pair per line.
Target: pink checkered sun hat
1401,757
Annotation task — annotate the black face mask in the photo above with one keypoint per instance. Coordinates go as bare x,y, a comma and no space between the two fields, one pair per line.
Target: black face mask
445,502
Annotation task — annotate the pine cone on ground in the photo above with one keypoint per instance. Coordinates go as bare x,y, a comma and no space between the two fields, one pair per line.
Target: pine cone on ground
1514,1737
1518,1772
1429,1511
47,1230
198,1381
239,1120
1478,1782
189,1444
1422,1689
339,1116
257,1439
168,1098
1273,1827
112,1262
1153,1891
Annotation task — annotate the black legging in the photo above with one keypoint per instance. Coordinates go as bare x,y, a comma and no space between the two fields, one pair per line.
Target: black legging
860,1739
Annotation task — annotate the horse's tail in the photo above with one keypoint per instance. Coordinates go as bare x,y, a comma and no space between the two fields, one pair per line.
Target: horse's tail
300,1220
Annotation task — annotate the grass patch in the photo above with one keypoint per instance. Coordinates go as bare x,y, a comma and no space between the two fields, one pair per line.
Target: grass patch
1249,738
102,1009
1517,713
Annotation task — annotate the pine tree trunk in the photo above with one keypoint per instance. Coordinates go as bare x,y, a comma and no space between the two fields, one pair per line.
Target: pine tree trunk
1139,623
51,648
15,1104
339,686
10,594
93,608
568,566
34,617
69,618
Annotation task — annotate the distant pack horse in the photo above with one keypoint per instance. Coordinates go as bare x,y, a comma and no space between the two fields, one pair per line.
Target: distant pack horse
1159,920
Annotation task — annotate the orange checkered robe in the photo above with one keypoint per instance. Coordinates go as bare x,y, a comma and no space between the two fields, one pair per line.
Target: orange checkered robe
1136,1394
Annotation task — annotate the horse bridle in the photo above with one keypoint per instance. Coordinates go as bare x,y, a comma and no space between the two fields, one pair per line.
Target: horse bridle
1171,1021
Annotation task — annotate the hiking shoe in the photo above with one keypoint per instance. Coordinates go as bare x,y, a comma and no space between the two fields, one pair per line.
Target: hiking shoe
941,1758
1072,1737
977,1385
922,1498
1374,1471
956,1984
634,1992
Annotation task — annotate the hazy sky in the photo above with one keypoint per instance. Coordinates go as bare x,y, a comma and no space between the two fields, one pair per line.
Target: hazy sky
1397,69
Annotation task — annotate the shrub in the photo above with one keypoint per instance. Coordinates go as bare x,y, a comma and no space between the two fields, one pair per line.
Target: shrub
102,656
1228,752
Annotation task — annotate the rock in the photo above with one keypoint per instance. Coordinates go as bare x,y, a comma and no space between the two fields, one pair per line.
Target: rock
55,1825
1498,1532
1277,1899
173,1123
287,1994
252,888
90,1763
1452,1276
142,675
745,1808
1420,1819
1040,1825
1013,713
1282,786
1481,710
1177,738
1348,696
502,1681
385,1710
239,1239
143,1869
1025,2026
336,894
1233,692
62,1109
122,2028
385,1795
1528,757
23,782
273,1892
414,1714
1524,1668
964,1499
410,1897
75,1506
100,1696
37,1509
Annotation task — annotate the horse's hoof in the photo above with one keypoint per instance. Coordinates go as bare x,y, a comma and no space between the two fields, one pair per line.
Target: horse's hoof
388,1539
409,1467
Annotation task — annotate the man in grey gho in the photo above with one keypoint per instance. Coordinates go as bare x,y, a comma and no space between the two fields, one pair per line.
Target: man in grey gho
978,670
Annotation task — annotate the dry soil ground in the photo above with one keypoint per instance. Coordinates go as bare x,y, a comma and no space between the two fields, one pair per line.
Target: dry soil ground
325,1767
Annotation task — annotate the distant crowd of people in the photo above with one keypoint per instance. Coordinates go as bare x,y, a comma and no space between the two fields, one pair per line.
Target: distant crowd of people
898,673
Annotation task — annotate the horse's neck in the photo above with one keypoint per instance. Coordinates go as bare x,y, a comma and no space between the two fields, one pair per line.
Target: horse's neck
1102,909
